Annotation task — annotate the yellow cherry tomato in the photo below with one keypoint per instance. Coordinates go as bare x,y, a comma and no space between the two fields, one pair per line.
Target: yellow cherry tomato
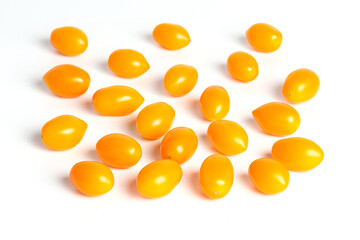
269,176
242,66
227,137
216,176
118,150
179,144
128,63
214,103
117,100
171,36
159,178
154,120
180,79
92,178
301,85
67,80
297,154
69,41
63,132
264,37
276,118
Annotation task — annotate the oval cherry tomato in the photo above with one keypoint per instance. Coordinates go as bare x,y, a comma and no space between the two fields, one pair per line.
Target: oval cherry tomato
159,178
69,41
227,137
171,36
154,120
63,132
301,85
179,144
128,63
67,80
242,66
297,154
264,37
118,150
214,103
276,118
92,178
117,100
216,176
180,79
269,176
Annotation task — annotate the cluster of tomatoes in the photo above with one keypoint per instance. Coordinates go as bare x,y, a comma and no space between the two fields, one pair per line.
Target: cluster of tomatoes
179,144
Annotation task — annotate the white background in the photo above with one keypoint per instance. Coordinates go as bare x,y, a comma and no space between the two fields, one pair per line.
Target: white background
39,202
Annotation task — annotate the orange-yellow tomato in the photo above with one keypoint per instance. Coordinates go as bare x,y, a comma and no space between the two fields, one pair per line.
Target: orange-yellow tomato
264,37
179,144
67,80
180,79
154,120
276,118
242,66
171,36
269,176
92,178
117,100
118,150
69,41
214,103
216,176
301,85
159,178
63,132
128,63
227,137
297,154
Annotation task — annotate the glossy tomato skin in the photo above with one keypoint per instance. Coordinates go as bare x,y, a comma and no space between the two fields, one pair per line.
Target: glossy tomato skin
171,36
116,100
180,79
297,154
70,41
277,118
264,37
159,178
269,176
214,103
242,66
301,85
118,150
63,132
128,63
216,176
92,178
154,120
179,144
227,137
67,80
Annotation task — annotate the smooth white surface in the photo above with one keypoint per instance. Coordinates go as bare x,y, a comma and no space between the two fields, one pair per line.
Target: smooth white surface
39,202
